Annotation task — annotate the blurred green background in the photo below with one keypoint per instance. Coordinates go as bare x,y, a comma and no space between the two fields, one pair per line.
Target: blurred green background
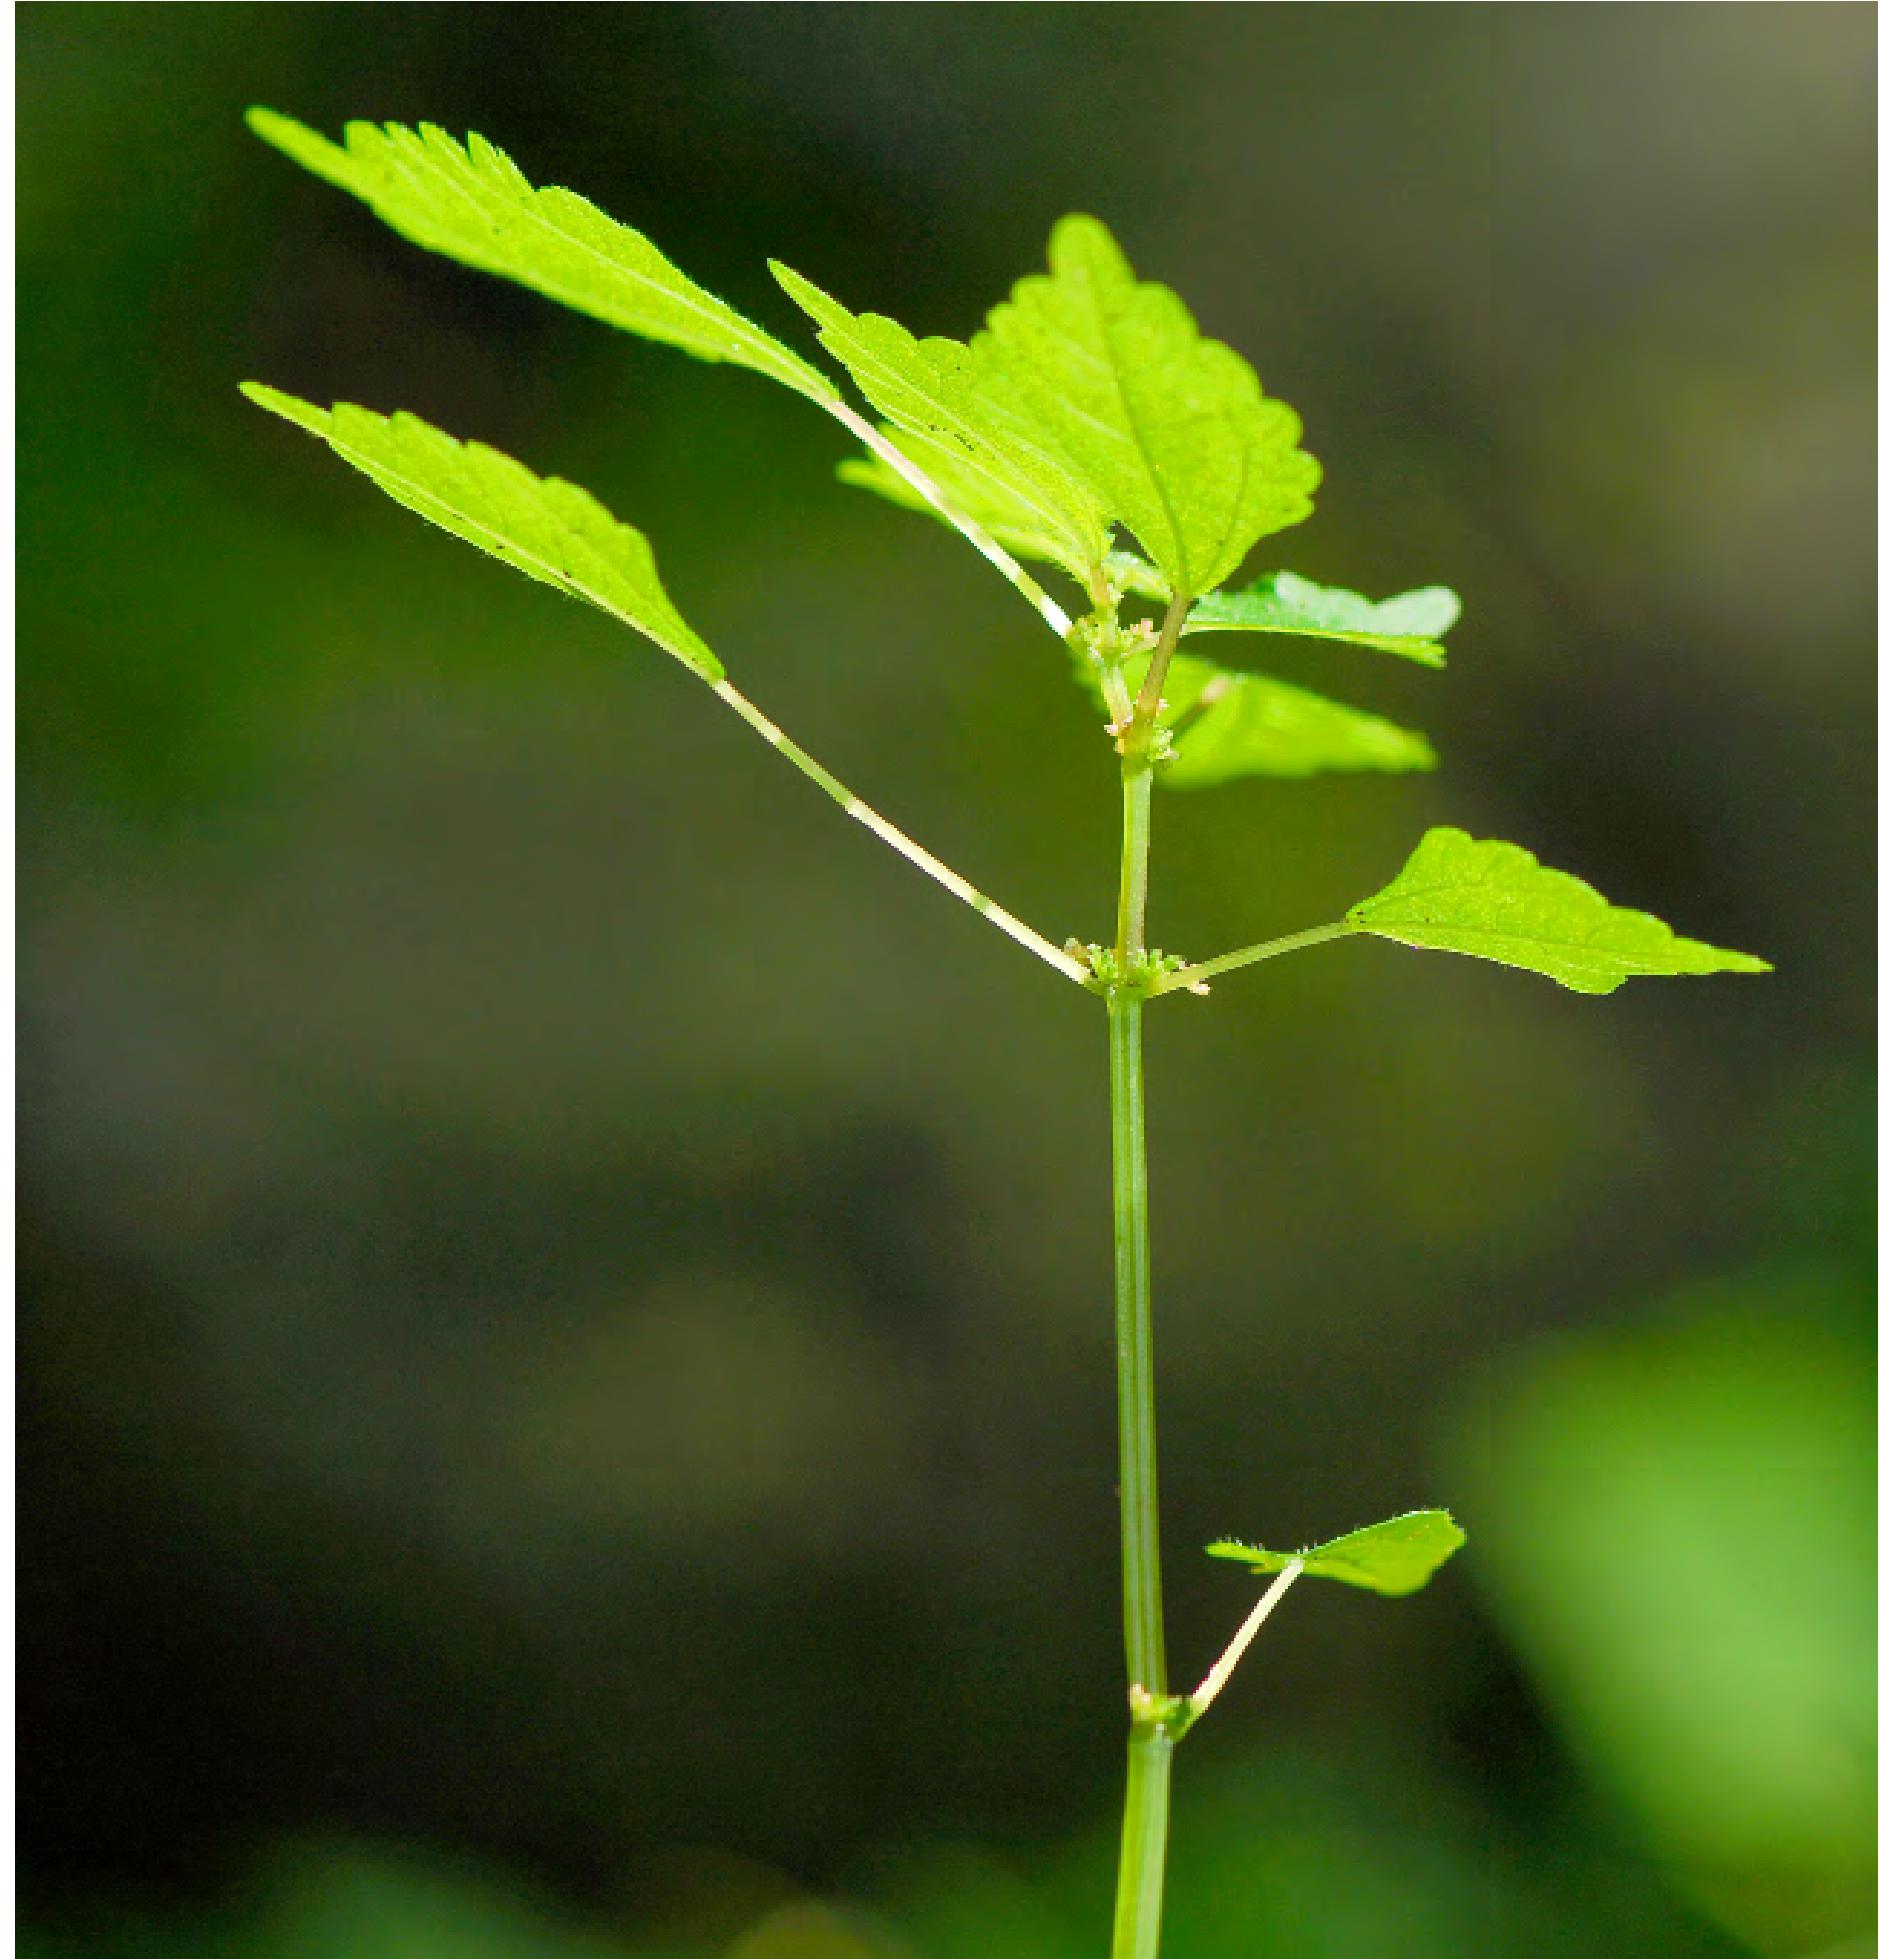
565,1367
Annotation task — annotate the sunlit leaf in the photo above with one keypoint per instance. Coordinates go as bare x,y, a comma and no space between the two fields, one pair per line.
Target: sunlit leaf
1169,430
1397,1556
1493,901
551,530
1411,624
933,390
468,201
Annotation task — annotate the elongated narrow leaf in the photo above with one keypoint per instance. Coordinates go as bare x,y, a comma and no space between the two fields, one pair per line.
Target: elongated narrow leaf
468,201
1227,725
934,391
550,530
1397,1556
1410,625
1494,901
969,490
1170,430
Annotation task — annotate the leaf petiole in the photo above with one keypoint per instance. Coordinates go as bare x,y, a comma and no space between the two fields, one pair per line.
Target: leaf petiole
899,841
1194,979
1222,1670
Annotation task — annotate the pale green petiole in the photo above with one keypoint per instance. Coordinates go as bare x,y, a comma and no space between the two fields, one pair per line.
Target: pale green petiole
1194,979
898,840
1222,1670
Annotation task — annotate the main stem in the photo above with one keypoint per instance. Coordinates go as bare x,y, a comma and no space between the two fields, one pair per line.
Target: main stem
1151,1743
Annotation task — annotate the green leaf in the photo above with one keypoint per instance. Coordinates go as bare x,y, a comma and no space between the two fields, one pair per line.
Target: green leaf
1251,724
1397,1556
1168,429
472,204
1411,624
551,530
934,392
1228,724
1493,901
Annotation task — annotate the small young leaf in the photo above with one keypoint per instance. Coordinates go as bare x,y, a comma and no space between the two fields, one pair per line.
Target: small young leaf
934,391
1168,429
1251,724
472,204
1228,724
1411,624
549,529
996,511
1397,1556
1493,901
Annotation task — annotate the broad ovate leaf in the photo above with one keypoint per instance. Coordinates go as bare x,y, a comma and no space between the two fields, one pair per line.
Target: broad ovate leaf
1170,430
1492,900
1397,1556
551,530
1411,625
469,202
933,391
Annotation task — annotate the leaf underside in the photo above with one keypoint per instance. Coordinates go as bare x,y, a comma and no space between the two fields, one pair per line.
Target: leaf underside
1492,900
547,529
470,202
1411,625
1395,1557
1227,725
1168,429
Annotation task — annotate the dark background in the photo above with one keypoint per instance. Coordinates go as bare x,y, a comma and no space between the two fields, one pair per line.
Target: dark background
565,1347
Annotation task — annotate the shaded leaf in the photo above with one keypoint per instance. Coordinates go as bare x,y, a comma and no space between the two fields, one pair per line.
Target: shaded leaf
933,390
1494,901
1397,1556
1411,624
1169,430
1228,724
472,204
551,530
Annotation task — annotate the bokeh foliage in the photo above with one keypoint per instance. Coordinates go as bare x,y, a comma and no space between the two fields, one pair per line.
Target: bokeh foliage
564,1338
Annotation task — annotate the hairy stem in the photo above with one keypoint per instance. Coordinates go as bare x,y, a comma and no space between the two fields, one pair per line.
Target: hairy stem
898,840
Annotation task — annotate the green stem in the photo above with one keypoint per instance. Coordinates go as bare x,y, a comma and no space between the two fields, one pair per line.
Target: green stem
1138,1932
1151,1740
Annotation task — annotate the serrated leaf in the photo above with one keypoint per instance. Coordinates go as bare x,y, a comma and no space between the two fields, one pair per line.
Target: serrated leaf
470,202
1410,625
548,529
1169,430
1494,901
933,391
1228,724
1397,1556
